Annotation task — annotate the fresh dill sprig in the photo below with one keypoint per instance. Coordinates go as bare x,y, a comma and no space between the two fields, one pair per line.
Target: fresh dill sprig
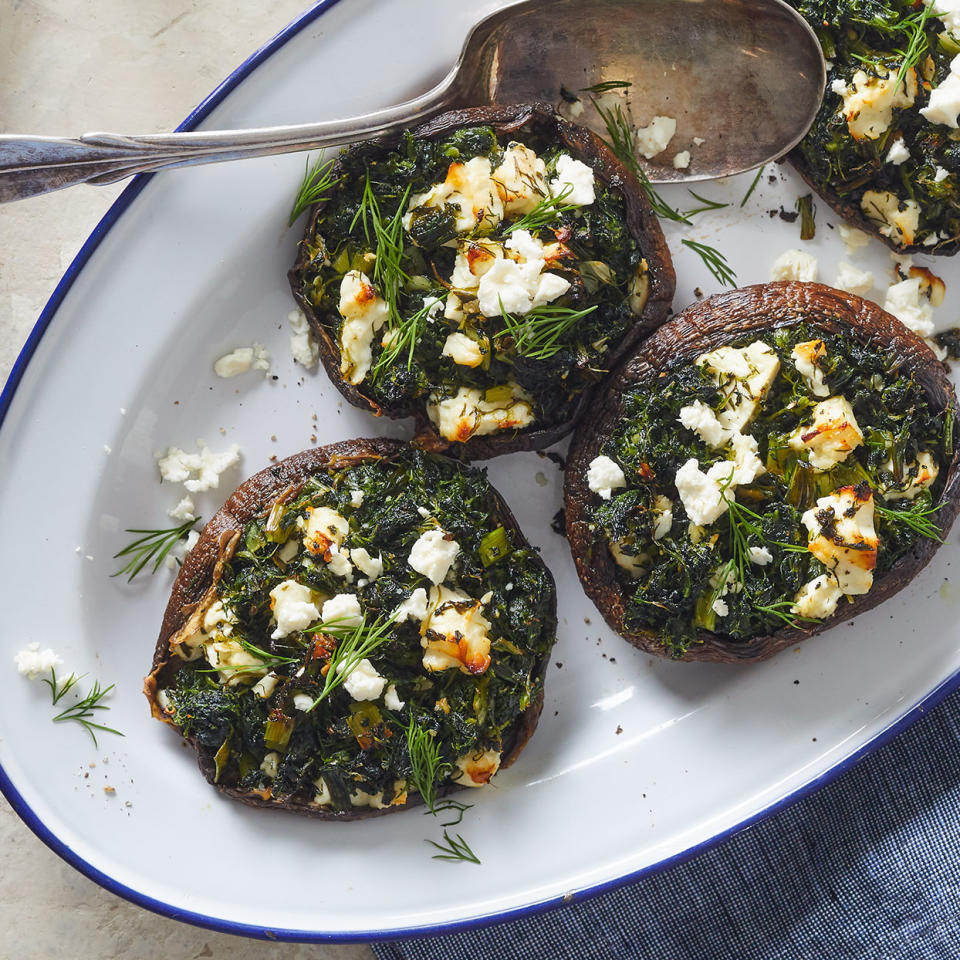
606,86
714,261
808,212
917,519
545,212
538,334
426,767
316,184
753,186
915,28
84,708
404,336
154,545
356,643
455,848
269,661
387,241
782,611
708,204
448,805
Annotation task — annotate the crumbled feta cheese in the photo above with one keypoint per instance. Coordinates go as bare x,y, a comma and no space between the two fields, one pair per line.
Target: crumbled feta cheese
293,608
289,550
943,105
391,700
517,287
476,769
747,466
339,563
663,516
32,661
794,265
364,313
233,662
698,141
570,111
325,528
344,608
261,358
371,566
184,510
743,375
818,598
270,765
414,606
303,347
197,471
575,177
869,103
235,363
265,686
898,152
604,476
471,412
702,494
853,280
940,174
457,633
806,357
463,350
831,437
906,303
682,160
433,555
521,179
843,538
356,498
471,189
882,209
853,239
362,682
302,702
761,556
654,138
948,12
700,418
720,607
474,258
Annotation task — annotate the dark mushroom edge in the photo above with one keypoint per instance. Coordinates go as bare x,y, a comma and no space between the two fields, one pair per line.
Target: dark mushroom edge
399,574
774,459
481,274
884,155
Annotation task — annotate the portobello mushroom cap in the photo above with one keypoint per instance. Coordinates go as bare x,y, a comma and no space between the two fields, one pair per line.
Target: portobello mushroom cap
849,210
513,120
201,570
702,327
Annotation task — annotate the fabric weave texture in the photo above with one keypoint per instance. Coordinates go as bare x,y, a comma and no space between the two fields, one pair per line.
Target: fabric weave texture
866,868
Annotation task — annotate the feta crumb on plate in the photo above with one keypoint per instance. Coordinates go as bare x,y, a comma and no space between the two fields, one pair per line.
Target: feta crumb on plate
794,265
302,345
197,471
32,661
654,138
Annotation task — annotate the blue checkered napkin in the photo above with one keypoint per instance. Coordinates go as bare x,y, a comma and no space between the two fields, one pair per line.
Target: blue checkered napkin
868,868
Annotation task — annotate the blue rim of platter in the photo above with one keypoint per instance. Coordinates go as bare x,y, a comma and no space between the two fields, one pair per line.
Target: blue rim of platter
58,846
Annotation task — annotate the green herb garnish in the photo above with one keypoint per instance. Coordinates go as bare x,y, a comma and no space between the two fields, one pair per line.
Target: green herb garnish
355,644
426,767
753,186
707,204
916,518
545,212
84,708
316,184
714,261
154,545
454,849
607,85
539,333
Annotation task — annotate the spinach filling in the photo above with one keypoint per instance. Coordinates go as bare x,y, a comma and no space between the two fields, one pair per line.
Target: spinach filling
740,575
346,752
873,36
523,366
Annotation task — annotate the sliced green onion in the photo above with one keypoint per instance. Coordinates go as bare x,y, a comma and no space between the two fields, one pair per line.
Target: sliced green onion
221,758
276,734
494,547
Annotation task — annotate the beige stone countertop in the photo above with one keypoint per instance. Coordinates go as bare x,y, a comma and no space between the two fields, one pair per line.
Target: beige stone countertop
133,66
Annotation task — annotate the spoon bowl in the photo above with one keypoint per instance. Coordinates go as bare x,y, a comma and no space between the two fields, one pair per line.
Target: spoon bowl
745,77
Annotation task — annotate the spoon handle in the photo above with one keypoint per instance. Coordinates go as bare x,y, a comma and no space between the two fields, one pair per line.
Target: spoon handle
33,165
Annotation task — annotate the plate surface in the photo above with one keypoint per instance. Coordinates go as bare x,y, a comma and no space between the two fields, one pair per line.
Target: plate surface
636,762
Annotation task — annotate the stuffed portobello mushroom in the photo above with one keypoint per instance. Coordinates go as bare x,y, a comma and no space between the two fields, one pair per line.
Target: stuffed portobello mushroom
772,460
348,614
481,274
884,149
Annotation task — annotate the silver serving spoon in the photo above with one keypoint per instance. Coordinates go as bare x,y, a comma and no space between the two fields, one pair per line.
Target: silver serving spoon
745,76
